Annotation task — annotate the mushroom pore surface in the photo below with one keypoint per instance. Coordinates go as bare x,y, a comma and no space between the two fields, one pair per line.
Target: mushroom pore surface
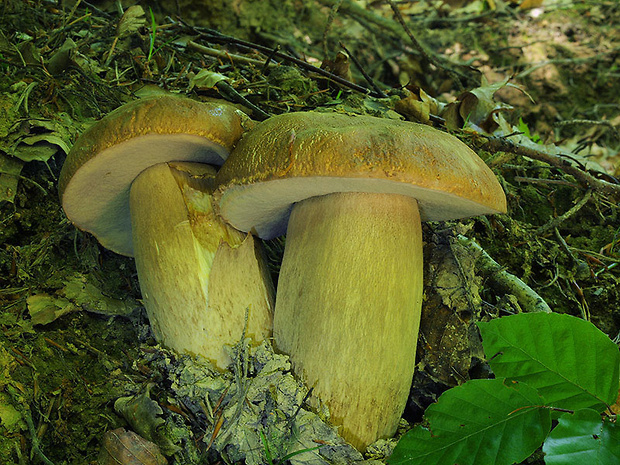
96,176
295,156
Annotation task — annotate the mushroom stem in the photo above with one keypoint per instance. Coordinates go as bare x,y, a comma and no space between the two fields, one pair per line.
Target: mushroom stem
348,306
198,276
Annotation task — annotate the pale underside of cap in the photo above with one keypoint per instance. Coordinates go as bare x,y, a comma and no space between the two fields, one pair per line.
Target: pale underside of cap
96,178
96,199
291,157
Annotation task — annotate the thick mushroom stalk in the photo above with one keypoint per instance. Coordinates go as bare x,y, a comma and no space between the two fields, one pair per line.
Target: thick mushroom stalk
348,298
349,303
132,180
200,278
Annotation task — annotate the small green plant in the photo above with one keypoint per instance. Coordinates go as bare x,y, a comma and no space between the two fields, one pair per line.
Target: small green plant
271,460
548,367
524,128
153,35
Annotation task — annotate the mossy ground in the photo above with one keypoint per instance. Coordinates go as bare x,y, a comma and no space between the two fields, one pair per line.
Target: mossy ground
68,373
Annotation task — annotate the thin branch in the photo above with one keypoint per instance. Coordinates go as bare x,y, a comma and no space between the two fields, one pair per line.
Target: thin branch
528,299
561,124
455,75
566,61
328,25
369,80
584,178
24,409
555,222
224,55
230,93
214,36
557,182
359,12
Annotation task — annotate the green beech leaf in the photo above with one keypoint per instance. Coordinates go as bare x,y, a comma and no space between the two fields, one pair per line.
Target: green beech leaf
583,438
482,422
571,363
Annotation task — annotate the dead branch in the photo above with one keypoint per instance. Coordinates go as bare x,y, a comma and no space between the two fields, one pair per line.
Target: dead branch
560,161
555,222
214,36
528,299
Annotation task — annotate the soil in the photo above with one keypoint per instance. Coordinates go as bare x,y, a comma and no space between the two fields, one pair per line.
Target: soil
74,336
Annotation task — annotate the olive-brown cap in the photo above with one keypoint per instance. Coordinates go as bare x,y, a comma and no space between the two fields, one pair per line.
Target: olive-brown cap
97,174
291,157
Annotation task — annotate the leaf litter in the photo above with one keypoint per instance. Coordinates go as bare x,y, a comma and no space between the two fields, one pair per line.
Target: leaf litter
92,345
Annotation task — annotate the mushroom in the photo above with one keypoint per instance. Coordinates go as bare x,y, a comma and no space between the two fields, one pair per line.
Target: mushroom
351,193
140,181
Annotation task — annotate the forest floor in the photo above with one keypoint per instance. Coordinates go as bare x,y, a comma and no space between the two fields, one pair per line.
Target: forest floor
532,86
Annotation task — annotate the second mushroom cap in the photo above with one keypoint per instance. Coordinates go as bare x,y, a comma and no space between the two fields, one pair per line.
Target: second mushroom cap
294,156
350,193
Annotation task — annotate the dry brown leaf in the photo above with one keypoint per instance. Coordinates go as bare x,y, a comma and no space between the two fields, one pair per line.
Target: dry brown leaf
121,447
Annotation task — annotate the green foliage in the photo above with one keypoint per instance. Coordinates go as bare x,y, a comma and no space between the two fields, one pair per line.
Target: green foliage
524,128
153,35
571,363
583,439
483,421
545,364
271,460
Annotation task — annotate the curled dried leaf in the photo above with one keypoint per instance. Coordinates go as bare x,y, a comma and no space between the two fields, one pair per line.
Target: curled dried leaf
132,20
121,447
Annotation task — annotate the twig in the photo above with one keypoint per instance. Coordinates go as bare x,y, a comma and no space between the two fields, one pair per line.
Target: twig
214,52
43,425
597,255
555,222
369,80
68,17
561,124
566,61
269,59
456,76
328,25
529,300
22,359
24,178
229,92
97,10
215,36
564,246
559,161
414,41
25,412
557,182
55,344
226,89
453,19
358,12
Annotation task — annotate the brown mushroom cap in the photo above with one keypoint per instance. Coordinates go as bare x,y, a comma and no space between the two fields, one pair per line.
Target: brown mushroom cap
291,157
96,177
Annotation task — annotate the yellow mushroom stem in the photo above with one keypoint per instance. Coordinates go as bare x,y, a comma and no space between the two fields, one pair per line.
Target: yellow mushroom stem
348,306
198,276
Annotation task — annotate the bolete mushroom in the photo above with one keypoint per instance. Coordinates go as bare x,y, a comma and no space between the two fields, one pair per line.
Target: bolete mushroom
350,193
140,181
